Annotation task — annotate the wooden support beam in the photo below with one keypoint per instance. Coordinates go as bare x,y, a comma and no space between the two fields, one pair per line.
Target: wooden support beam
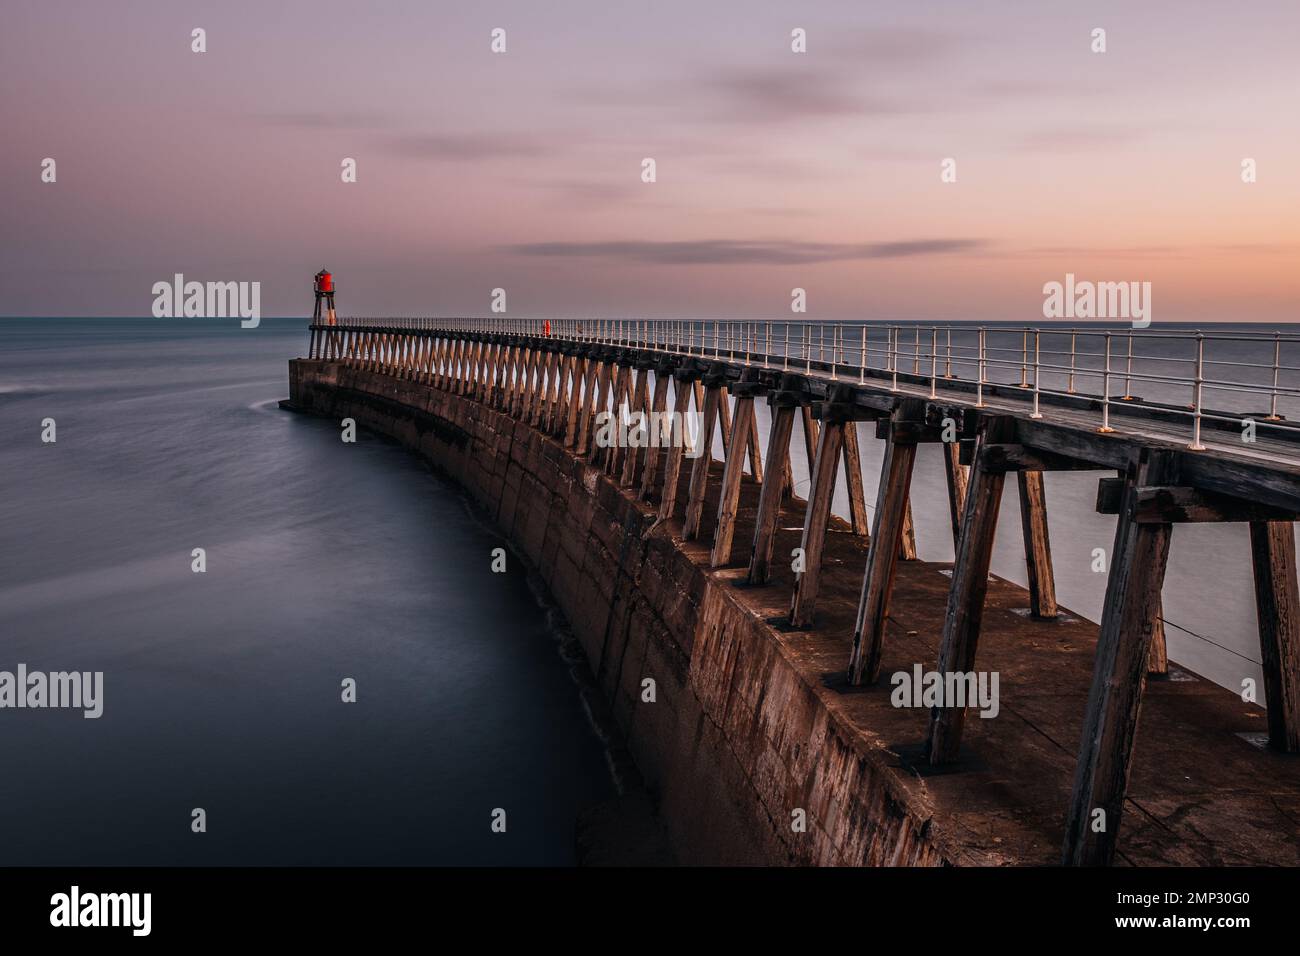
675,453
545,376
724,420
494,357
882,558
1013,457
853,478
803,604
731,476
520,381
613,458
1110,495
955,473
532,384
658,406
1277,601
464,377
580,374
1128,616
639,408
787,475
771,494
1176,504
1038,545
1157,505
809,437
699,483
506,394
595,370
755,450
970,582
907,542
604,387
554,403
697,388
1158,656
460,364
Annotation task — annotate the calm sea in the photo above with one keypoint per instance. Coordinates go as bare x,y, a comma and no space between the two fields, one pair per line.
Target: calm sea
222,690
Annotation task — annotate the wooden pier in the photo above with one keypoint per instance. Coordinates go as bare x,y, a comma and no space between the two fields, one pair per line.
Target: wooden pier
1150,476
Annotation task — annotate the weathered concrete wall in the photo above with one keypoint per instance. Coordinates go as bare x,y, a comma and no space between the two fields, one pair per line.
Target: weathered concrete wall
740,735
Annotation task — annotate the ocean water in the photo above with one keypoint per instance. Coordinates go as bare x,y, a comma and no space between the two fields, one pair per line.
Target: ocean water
222,690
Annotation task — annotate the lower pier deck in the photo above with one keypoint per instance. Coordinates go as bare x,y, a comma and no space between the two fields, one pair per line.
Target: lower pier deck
1199,793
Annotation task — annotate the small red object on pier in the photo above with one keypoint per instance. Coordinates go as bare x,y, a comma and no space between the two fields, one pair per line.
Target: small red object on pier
546,327
324,287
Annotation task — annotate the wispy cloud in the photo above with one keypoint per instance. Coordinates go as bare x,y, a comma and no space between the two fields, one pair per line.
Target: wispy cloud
343,120
736,251
467,147
1080,139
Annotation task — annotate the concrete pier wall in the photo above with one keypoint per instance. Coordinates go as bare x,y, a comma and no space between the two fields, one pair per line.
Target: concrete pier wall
741,733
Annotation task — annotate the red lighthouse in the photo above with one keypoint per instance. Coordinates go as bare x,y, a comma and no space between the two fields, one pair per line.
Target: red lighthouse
324,291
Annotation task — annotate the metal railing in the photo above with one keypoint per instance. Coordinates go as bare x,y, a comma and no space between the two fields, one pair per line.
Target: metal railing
1246,378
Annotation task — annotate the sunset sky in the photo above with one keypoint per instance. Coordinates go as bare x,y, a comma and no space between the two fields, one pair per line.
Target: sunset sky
775,169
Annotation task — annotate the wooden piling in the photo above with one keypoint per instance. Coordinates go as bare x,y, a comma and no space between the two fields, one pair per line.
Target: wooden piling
731,477
637,412
1038,546
1132,603
673,464
772,493
755,450
658,407
622,396
882,557
698,487
724,422
1272,548
587,410
580,375
907,540
803,604
970,581
853,478
955,474
809,438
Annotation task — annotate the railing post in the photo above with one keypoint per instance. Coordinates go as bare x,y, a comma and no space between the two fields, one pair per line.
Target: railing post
934,362
1024,359
1036,413
1200,378
1105,391
1069,388
1128,371
862,367
893,358
979,386
1277,364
